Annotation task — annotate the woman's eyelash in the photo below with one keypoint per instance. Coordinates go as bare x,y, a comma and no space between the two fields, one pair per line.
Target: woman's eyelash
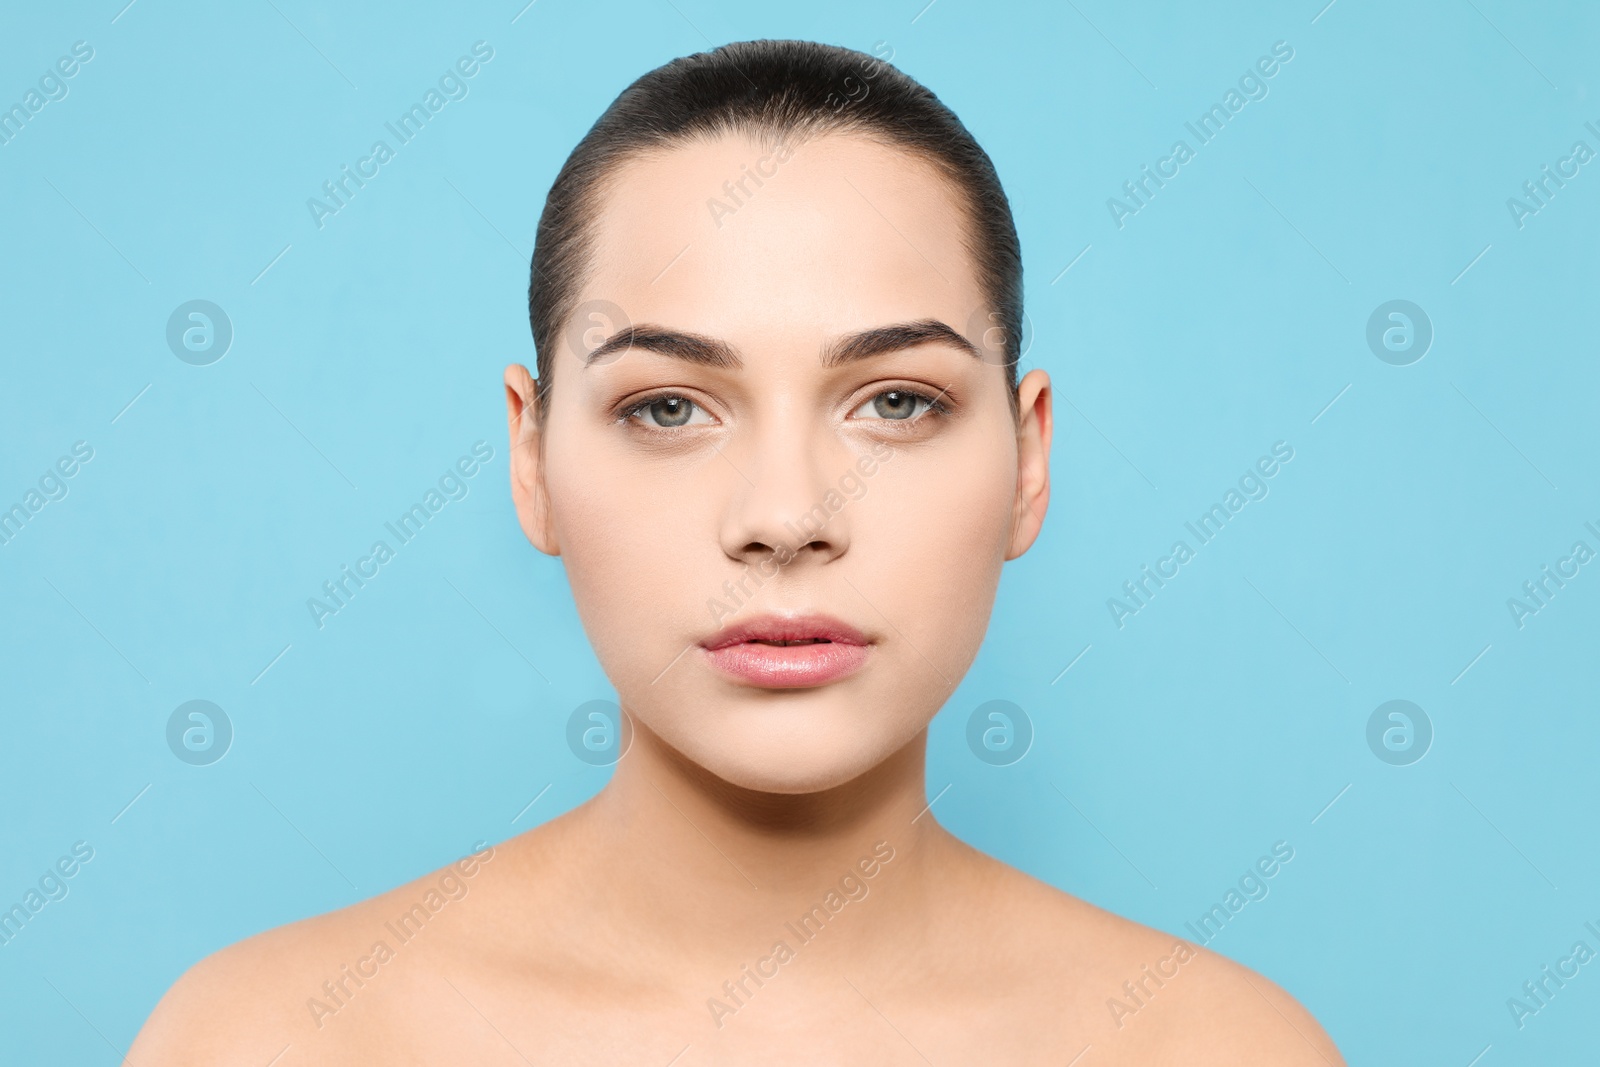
634,410
936,403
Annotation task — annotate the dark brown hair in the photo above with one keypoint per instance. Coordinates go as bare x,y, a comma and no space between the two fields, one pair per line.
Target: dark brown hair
772,91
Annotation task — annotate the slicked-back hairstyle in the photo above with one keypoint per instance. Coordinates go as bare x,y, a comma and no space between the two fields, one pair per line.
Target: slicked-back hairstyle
773,92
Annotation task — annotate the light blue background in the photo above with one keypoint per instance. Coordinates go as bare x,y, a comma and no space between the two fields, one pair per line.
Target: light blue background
1223,317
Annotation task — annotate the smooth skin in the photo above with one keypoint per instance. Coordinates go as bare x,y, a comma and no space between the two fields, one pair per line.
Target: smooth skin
606,935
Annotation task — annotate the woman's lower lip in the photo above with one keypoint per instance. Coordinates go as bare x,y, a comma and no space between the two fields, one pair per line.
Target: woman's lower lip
789,666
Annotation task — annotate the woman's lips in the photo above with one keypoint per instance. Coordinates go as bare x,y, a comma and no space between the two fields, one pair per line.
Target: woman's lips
792,652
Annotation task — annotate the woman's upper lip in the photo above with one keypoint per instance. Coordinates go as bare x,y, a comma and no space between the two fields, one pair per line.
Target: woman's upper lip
785,628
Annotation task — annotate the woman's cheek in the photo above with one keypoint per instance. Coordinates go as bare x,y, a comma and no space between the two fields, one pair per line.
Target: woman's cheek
621,559
953,504
978,537
939,535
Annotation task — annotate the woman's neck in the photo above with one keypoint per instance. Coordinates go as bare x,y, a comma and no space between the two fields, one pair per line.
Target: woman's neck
711,868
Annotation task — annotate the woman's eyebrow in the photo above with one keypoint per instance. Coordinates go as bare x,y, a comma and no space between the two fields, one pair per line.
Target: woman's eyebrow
692,347
708,351
883,339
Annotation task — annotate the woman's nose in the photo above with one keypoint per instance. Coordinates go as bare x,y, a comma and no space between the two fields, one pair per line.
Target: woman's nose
784,499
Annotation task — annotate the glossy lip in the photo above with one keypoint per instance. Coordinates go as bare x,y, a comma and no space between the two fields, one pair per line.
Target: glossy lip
840,650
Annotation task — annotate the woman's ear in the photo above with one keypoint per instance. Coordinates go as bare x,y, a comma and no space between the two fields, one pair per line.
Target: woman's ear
1033,461
527,460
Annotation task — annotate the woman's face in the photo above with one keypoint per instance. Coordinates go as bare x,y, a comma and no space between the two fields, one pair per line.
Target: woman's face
758,468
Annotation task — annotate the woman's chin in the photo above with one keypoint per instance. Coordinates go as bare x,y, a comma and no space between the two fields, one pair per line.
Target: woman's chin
761,779
787,762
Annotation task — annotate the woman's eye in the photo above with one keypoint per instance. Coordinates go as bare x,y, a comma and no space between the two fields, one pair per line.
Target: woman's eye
669,412
896,404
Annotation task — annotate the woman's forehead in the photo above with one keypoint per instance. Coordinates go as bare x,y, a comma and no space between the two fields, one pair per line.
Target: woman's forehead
818,235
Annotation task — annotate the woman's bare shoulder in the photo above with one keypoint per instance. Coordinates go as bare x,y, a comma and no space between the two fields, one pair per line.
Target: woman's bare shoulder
1137,994
323,982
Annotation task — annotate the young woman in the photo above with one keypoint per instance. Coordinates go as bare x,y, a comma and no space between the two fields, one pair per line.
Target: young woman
777,439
